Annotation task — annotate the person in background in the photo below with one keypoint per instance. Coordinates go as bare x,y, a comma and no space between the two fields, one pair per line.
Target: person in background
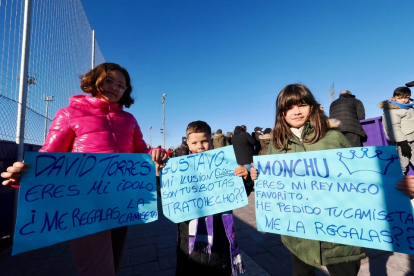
219,140
87,126
410,84
228,137
183,148
321,108
207,246
257,145
398,123
243,144
264,141
169,152
301,126
349,111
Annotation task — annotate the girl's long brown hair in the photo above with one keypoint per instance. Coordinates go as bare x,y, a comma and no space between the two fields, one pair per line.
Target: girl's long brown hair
289,96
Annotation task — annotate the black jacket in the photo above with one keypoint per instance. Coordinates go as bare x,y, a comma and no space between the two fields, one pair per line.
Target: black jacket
243,146
349,111
258,145
183,149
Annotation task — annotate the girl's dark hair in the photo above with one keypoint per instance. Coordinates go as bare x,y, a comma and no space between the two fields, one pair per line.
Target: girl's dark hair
291,95
92,81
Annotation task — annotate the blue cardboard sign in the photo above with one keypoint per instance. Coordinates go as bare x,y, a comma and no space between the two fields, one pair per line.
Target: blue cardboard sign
69,195
345,196
201,184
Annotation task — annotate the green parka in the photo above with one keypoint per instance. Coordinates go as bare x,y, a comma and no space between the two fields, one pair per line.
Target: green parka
219,140
312,252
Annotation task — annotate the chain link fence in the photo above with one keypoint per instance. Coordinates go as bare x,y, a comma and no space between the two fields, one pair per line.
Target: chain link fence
60,51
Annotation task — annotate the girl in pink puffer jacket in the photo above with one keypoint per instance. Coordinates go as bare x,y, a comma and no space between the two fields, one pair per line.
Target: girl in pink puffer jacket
95,123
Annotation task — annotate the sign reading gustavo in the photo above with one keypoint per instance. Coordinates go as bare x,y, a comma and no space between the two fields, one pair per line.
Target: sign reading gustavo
201,184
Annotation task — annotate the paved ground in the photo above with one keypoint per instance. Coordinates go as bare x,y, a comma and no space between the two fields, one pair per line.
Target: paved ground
150,250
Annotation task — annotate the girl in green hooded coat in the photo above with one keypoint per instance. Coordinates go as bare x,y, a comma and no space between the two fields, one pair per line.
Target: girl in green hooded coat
301,126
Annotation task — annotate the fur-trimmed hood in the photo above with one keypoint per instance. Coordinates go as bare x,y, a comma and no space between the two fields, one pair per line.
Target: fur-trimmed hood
334,124
265,136
218,136
386,105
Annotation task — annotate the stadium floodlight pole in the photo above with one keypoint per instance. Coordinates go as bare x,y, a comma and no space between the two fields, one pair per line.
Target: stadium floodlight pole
150,137
163,119
47,99
21,107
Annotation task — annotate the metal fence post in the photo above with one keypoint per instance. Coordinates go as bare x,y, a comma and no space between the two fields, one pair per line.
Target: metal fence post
21,112
93,49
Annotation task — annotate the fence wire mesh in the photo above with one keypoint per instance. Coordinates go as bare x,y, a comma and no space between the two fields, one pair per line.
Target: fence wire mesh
60,51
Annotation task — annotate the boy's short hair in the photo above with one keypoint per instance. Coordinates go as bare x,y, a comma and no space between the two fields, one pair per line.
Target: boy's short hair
198,127
402,91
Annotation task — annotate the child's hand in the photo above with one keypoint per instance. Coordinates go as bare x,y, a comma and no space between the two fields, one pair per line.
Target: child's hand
241,171
253,173
14,174
406,185
158,155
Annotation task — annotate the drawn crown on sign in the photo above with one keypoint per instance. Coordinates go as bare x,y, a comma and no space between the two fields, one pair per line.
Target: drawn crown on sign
375,163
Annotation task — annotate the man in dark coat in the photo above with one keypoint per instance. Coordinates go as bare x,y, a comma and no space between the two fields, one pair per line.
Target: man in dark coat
183,149
243,146
257,134
349,111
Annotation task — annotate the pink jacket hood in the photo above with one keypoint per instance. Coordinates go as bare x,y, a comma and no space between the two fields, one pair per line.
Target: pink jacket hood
91,125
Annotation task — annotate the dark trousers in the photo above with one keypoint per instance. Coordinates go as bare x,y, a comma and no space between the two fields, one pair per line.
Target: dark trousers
355,139
300,268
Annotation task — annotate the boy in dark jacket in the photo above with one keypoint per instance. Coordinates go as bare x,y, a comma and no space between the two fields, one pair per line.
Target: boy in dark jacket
221,255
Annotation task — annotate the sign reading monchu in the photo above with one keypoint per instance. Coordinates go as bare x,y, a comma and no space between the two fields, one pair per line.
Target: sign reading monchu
201,184
69,195
346,196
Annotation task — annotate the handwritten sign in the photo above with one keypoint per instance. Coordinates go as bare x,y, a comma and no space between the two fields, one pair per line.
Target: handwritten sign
69,195
346,196
201,184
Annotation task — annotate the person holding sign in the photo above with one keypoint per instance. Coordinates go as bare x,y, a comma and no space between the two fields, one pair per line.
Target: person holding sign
301,126
208,245
95,123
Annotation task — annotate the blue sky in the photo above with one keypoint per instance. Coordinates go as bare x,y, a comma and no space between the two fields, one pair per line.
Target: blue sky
225,62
